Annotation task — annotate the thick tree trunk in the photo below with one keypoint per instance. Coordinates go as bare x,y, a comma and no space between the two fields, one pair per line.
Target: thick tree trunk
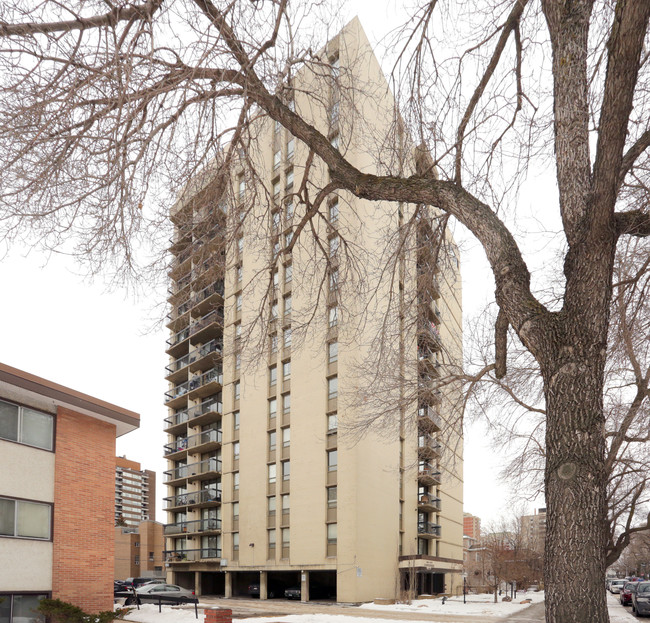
575,483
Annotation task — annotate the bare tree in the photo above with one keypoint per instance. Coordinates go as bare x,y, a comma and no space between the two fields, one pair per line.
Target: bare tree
104,102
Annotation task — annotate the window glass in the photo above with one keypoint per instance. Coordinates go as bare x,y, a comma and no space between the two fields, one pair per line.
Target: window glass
33,520
8,421
5,609
333,316
331,533
286,437
286,470
334,211
271,538
235,510
289,181
332,422
332,387
287,304
331,497
235,484
237,388
272,472
285,537
24,608
334,280
273,375
332,351
286,370
288,273
286,403
235,416
273,407
272,440
290,147
332,461
271,505
285,503
7,515
287,338
235,450
235,540
37,428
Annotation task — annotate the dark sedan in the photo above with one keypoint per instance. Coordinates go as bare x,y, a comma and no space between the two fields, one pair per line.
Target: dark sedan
641,599
292,592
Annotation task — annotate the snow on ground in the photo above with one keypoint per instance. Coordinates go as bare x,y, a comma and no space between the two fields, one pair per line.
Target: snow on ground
476,606
617,613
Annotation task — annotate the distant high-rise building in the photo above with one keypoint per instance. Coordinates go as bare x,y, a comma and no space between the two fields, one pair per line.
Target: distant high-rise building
533,530
268,483
139,551
135,493
471,526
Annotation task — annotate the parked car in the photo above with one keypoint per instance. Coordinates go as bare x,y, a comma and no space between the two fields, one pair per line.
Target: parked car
293,592
135,582
164,593
626,593
641,599
118,586
616,586
254,591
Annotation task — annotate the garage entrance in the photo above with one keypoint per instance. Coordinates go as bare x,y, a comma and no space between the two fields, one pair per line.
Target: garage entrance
322,585
213,583
242,580
279,581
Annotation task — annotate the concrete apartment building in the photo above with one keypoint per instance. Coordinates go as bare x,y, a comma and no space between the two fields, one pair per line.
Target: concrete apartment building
533,530
57,494
135,493
139,551
272,376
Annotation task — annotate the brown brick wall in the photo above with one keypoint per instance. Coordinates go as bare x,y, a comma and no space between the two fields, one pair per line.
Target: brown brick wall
84,511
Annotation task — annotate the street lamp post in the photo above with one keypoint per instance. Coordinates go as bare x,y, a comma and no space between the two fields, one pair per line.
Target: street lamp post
464,588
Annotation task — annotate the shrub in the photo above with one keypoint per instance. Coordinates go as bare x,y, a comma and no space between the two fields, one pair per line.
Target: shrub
57,611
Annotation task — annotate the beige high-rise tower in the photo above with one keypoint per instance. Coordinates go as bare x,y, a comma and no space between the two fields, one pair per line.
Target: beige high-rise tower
309,445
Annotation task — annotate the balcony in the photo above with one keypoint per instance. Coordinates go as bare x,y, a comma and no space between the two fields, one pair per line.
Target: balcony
208,327
178,317
428,474
195,499
211,525
191,555
428,530
428,419
207,412
206,384
428,363
428,447
180,288
176,397
206,355
210,468
428,284
429,335
176,343
201,442
428,503
176,423
208,298
177,369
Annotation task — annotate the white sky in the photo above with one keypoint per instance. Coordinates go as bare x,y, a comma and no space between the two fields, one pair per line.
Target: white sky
106,344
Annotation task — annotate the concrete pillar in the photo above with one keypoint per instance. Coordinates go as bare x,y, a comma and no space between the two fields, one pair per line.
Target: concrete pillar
263,585
304,586
198,589
227,591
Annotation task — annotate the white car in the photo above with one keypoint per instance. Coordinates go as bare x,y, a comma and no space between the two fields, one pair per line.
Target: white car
615,586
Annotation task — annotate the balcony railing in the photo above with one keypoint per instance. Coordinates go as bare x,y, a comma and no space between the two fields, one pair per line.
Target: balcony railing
178,418
213,346
178,311
211,376
177,391
429,503
209,406
213,316
189,527
429,418
194,469
194,498
429,474
427,528
428,446
213,288
177,338
191,555
208,436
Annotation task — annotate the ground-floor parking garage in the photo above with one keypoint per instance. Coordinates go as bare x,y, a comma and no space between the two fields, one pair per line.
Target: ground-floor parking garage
304,585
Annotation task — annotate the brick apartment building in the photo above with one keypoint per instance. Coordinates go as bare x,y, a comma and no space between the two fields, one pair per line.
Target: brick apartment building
57,494
139,550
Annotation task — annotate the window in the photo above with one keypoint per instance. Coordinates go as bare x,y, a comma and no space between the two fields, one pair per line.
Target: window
273,376
288,209
277,157
285,537
288,273
332,461
272,438
276,220
238,331
237,361
331,533
332,351
286,437
235,450
235,419
276,188
271,539
334,112
334,280
288,237
27,426
291,146
332,387
271,505
272,472
235,511
235,481
286,370
331,497
238,302
289,180
287,339
334,245
29,520
334,141
274,343
275,278
236,389
334,211
18,608
286,403
333,316
136,559
286,470
241,188
285,504
151,556
235,541
273,407
287,305
240,244
274,311
332,422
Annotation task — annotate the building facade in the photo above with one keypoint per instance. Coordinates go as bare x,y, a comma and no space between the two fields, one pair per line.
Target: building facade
135,493
273,378
57,503
472,526
533,530
139,551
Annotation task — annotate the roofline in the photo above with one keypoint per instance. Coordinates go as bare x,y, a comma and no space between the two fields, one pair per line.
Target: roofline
65,396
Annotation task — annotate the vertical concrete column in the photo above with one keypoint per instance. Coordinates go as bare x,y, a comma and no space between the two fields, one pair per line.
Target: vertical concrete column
198,589
227,592
304,586
263,585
